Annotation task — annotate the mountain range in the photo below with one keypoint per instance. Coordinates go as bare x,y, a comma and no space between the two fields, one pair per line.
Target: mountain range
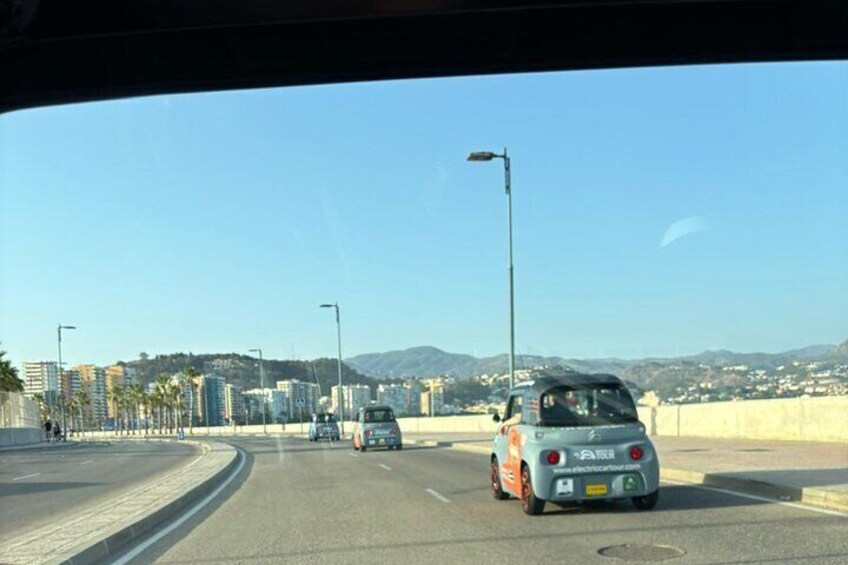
429,361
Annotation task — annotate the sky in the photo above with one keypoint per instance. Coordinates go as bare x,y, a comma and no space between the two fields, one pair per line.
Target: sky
660,211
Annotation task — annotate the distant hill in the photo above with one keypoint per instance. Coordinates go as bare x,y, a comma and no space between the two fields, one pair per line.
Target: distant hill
243,370
431,361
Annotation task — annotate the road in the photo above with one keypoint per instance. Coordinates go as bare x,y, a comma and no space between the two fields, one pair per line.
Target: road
39,486
297,502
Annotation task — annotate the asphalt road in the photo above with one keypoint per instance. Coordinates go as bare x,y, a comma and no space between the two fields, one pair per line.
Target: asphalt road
40,486
296,502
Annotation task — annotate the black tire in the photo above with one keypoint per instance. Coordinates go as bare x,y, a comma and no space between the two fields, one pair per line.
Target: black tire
646,502
497,488
399,446
530,504
362,448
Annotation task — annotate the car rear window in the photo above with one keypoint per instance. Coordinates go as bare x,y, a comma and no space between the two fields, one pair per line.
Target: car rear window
594,405
374,416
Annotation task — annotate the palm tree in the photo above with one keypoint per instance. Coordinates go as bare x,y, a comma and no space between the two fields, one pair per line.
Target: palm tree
70,404
147,409
116,397
190,375
136,395
42,405
82,401
162,381
9,380
175,391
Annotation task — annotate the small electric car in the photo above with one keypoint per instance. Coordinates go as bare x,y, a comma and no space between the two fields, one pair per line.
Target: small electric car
324,426
376,426
573,438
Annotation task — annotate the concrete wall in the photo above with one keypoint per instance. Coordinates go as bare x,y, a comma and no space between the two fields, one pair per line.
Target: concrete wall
799,419
20,436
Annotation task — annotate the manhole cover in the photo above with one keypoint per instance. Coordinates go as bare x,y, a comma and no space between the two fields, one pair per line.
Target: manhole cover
634,552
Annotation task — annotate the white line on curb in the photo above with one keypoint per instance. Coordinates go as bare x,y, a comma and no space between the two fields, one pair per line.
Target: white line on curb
137,550
26,477
437,495
386,467
760,498
87,462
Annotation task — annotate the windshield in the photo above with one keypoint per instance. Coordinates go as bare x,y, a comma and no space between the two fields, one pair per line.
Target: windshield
185,280
587,406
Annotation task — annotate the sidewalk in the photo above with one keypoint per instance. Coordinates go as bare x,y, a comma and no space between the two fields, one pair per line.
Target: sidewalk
41,445
812,473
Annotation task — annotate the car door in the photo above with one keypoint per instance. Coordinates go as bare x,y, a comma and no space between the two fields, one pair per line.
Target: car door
507,446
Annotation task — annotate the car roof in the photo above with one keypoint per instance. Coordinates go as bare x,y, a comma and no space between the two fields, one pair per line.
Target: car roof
369,408
541,384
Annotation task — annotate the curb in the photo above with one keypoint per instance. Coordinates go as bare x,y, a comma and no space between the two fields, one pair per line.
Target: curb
100,532
821,498
119,541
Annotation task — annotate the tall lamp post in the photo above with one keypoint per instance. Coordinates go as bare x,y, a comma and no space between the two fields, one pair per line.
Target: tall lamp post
61,392
262,386
339,333
488,156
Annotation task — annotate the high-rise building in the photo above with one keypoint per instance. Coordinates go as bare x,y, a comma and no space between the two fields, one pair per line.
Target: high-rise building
276,402
414,396
40,377
296,389
71,383
354,396
116,376
93,382
211,400
394,396
433,400
233,404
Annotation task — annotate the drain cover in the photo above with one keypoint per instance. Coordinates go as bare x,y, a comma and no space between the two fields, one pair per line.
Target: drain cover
635,552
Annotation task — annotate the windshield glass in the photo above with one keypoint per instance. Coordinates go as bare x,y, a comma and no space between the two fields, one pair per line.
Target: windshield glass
209,271
587,406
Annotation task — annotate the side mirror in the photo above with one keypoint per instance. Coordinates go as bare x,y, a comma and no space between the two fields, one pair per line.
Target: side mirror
496,418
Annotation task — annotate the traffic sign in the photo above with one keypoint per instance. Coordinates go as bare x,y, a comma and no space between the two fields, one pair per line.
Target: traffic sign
299,402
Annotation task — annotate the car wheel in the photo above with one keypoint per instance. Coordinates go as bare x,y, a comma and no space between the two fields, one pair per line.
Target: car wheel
531,505
497,489
399,446
646,502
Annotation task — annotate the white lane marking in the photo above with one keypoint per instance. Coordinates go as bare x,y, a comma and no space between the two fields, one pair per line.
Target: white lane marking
353,454
386,467
31,475
761,498
137,550
437,495
87,462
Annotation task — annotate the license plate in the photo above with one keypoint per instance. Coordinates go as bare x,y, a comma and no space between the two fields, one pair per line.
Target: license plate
596,490
382,442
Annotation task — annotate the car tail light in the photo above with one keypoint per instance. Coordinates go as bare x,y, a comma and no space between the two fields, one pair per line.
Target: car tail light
636,453
552,457
367,433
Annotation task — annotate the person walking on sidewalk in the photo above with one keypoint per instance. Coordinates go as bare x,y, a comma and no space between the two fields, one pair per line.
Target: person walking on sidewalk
57,432
48,429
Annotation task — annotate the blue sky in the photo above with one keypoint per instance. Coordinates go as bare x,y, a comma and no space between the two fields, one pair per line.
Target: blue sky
218,222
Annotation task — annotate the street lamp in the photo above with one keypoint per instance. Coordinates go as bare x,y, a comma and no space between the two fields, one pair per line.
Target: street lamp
262,386
339,332
61,395
488,156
